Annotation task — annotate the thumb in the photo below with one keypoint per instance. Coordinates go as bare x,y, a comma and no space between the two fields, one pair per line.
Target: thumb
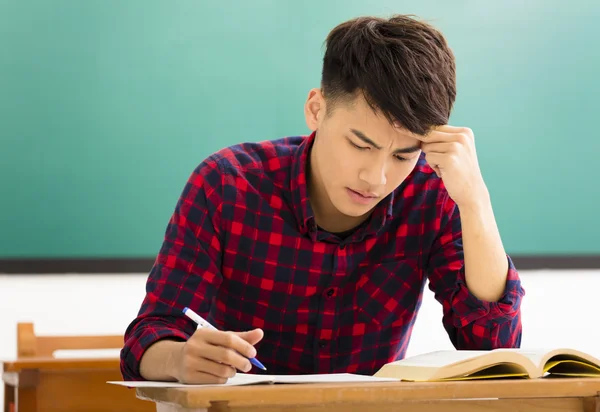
252,336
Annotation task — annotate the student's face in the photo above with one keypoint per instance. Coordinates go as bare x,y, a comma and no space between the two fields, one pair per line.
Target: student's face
357,174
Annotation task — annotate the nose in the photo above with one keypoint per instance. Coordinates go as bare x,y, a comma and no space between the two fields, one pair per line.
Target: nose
374,173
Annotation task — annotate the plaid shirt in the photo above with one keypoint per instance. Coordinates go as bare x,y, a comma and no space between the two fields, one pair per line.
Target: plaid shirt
243,250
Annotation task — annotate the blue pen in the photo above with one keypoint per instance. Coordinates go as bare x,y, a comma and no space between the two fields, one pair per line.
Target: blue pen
204,324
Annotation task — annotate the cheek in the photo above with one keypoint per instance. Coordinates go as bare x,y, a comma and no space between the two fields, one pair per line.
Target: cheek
397,174
339,164
346,163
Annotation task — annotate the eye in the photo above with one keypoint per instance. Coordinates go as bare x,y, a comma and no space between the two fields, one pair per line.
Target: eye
357,146
400,158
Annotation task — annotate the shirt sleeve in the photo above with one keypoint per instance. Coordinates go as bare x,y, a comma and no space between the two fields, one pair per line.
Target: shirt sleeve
470,322
185,272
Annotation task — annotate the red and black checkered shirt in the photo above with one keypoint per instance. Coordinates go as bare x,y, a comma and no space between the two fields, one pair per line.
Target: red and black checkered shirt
243,250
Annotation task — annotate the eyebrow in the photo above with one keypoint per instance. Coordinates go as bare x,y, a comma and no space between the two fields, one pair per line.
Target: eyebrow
368,141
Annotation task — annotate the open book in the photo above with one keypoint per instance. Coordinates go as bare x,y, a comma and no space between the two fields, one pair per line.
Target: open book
252,379
497,363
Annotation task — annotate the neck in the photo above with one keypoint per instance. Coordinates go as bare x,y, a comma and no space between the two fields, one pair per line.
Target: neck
326,214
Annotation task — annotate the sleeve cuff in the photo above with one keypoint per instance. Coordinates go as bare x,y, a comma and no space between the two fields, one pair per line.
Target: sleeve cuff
468,308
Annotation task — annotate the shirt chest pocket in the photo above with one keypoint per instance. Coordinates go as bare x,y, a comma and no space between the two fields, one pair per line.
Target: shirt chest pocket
387,292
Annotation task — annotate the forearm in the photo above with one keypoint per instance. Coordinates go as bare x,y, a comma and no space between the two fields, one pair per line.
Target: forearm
486,264
159,360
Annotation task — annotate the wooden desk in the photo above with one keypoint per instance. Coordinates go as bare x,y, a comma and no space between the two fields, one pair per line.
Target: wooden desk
51,384
548,395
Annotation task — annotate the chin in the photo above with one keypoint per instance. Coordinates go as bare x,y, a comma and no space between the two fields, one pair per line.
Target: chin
354,210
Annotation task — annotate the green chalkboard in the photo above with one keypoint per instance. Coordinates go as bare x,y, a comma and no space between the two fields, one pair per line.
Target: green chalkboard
106,106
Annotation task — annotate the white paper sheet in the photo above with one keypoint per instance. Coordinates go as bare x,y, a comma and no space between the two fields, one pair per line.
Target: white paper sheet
251,379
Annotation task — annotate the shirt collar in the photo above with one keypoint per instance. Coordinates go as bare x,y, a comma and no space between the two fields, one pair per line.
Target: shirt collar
303,211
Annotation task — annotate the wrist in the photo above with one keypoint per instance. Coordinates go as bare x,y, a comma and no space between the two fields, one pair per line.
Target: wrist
161,359
174,359
478,205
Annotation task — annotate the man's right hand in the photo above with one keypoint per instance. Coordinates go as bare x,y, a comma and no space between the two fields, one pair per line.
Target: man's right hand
212,356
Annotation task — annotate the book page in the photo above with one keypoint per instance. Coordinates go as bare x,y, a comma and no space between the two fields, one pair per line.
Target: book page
535,355
439,359
443,358
572,367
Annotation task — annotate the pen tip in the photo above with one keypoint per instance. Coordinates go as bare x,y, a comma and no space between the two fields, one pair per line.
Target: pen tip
256,363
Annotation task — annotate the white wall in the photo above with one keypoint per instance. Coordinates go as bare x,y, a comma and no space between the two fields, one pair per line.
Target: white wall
559,309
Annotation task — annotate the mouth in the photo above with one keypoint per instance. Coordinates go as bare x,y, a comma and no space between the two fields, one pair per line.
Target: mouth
365,194
361,197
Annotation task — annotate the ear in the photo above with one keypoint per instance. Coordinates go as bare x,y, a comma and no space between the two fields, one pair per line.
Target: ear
314,109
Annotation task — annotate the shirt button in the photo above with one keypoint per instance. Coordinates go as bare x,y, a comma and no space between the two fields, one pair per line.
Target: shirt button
322,343
330,292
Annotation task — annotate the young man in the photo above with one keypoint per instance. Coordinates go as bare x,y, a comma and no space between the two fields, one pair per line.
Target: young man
311,253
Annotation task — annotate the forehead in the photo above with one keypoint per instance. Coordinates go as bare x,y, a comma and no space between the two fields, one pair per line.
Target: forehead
357,114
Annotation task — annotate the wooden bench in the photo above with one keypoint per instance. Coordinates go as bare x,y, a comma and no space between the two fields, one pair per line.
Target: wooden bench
38,381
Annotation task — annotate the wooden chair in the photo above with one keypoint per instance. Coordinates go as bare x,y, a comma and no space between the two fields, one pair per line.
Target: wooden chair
31,346
37,380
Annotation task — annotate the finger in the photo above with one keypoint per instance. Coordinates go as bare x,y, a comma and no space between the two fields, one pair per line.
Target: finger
435,136
197,377
440,147
230,340
252,336
195,361
219,370
225,355
468,132
460,133
435,160
448,128
448,134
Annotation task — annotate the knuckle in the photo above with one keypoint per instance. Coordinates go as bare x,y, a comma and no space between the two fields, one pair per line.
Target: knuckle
228,340
199,333
222,355
198,337
194,347
229,357
223,371
250,351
